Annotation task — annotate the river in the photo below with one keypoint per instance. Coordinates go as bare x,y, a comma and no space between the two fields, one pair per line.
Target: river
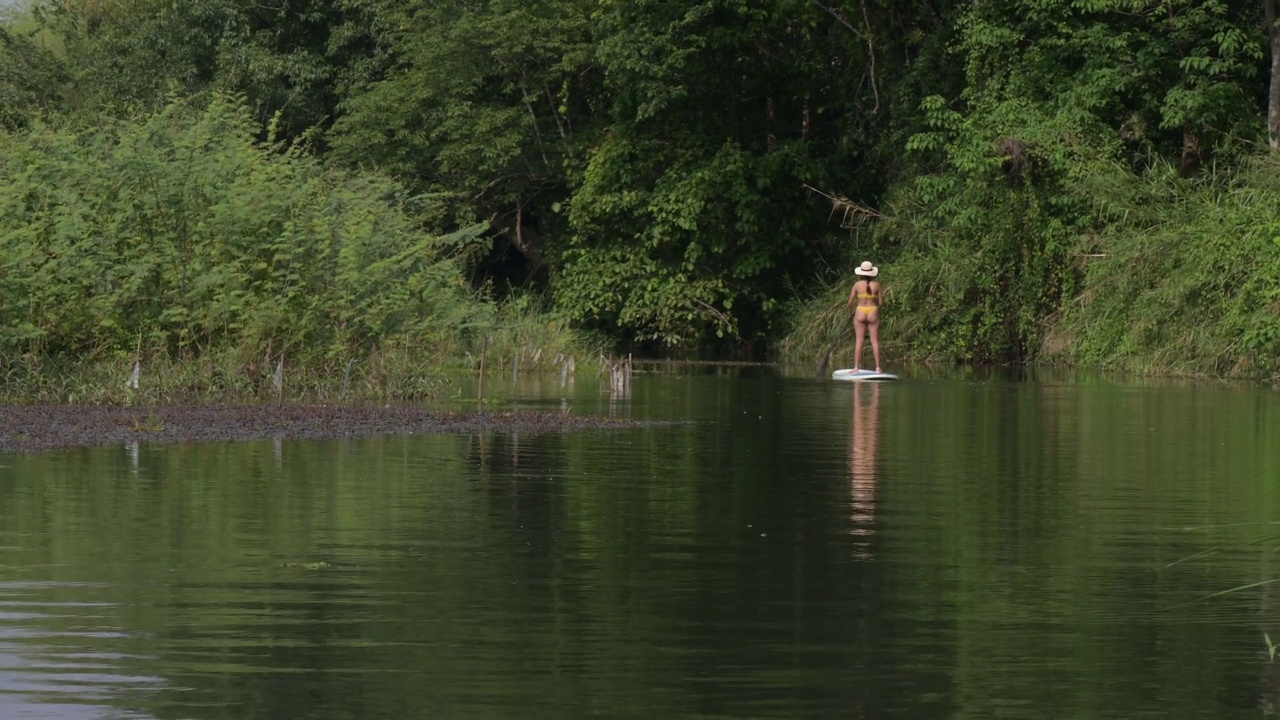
957,544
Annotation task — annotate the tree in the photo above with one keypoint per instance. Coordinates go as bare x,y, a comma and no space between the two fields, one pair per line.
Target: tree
1273,96
130,55
31,77
693,203
486,103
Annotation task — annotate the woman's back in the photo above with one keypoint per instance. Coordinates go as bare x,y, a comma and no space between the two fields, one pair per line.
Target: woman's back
867,291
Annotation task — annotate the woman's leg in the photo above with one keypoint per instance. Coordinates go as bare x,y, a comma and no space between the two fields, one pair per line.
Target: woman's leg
874,324
859,332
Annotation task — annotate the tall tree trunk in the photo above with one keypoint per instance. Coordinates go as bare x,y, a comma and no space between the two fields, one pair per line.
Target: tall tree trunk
1273,101
526,240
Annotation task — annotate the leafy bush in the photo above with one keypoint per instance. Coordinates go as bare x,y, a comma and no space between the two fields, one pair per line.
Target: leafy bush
181,235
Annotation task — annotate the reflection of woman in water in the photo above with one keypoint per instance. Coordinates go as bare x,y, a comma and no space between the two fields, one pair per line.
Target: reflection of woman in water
862,461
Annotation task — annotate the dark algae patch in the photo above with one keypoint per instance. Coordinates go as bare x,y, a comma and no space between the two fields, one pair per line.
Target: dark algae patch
39,428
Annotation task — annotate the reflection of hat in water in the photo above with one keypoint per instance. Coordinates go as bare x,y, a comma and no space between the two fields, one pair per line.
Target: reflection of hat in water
867,269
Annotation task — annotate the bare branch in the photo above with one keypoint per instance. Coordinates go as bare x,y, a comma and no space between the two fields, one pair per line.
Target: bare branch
555,113
839,16
852,212
871,48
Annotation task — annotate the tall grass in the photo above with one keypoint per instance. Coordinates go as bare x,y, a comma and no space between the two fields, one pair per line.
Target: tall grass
384,374
179,241
819,325
32,75
969,279
1187,281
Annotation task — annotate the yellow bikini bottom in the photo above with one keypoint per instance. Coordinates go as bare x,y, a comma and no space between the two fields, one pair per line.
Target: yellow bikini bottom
866,308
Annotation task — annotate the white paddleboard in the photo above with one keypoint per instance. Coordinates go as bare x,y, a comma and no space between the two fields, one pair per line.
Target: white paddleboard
859,375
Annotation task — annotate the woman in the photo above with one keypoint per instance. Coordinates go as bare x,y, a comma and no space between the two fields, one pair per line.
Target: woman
866,313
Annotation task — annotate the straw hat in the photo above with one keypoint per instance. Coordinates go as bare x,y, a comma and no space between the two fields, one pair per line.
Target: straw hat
866,269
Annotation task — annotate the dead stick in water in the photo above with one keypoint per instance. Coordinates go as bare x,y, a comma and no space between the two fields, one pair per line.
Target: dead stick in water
484,352
280,381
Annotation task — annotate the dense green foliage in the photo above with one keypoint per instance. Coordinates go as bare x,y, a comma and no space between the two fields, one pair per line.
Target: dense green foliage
649,169
181,238
1029,156
1076,191
180,233
1187,281
30,76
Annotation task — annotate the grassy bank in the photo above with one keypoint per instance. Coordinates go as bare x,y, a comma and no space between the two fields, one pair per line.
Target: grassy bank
1188,282
179,242
1152,274
383,374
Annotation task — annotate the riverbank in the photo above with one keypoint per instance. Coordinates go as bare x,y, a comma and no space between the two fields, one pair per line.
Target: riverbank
41,428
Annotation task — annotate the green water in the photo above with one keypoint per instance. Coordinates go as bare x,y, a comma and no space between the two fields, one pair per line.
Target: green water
939,547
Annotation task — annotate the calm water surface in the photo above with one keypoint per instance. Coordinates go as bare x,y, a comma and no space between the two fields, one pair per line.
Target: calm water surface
959,546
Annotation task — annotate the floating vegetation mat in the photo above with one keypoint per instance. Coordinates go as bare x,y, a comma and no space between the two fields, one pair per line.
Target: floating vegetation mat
38,428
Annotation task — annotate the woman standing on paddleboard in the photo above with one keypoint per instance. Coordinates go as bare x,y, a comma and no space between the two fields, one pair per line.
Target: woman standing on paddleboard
865,300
